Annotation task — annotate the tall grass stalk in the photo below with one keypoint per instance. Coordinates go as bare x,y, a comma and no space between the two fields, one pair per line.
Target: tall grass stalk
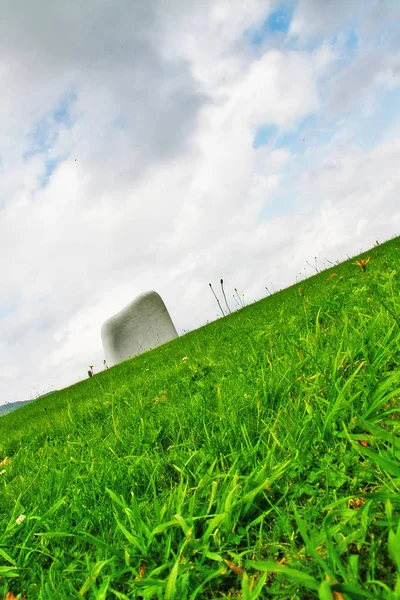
223,292
215,296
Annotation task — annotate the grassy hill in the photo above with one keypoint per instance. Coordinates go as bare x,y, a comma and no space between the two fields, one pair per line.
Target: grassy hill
257,457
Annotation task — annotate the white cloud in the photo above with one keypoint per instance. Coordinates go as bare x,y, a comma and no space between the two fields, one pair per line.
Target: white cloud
158,185
279,88
314,18
373,67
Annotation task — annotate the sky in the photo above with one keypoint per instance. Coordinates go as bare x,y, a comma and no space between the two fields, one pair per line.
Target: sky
166,145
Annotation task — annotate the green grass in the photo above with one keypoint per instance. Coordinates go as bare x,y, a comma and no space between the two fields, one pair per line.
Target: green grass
266,465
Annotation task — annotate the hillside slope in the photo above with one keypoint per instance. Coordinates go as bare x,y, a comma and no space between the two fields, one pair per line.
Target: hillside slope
256,457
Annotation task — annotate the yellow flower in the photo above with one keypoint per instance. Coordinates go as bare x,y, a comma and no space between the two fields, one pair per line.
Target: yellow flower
362,263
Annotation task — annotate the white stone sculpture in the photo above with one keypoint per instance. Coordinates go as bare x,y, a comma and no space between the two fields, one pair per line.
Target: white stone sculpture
143,324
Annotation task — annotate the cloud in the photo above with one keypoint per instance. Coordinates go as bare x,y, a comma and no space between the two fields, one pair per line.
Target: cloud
110,68
279,88
372,68
312,18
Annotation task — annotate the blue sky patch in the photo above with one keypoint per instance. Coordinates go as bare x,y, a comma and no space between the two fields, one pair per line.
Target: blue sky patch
352,41
295,138
7,310
263,135
41,138
45,130
372,128
350,46
50,167
61,113
277,22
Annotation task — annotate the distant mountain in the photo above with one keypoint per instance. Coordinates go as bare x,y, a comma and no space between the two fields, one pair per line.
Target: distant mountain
7,408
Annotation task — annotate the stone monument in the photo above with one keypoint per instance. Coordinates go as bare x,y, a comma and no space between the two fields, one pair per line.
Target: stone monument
143,324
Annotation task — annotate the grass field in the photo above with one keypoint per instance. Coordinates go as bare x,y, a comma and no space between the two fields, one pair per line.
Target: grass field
257,457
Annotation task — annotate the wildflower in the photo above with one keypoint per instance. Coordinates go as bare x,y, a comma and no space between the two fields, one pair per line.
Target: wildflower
10,596
20,519
362,263
185,359
356,503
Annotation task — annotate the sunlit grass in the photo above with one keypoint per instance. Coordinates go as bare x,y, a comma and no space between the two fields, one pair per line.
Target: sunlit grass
256,457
